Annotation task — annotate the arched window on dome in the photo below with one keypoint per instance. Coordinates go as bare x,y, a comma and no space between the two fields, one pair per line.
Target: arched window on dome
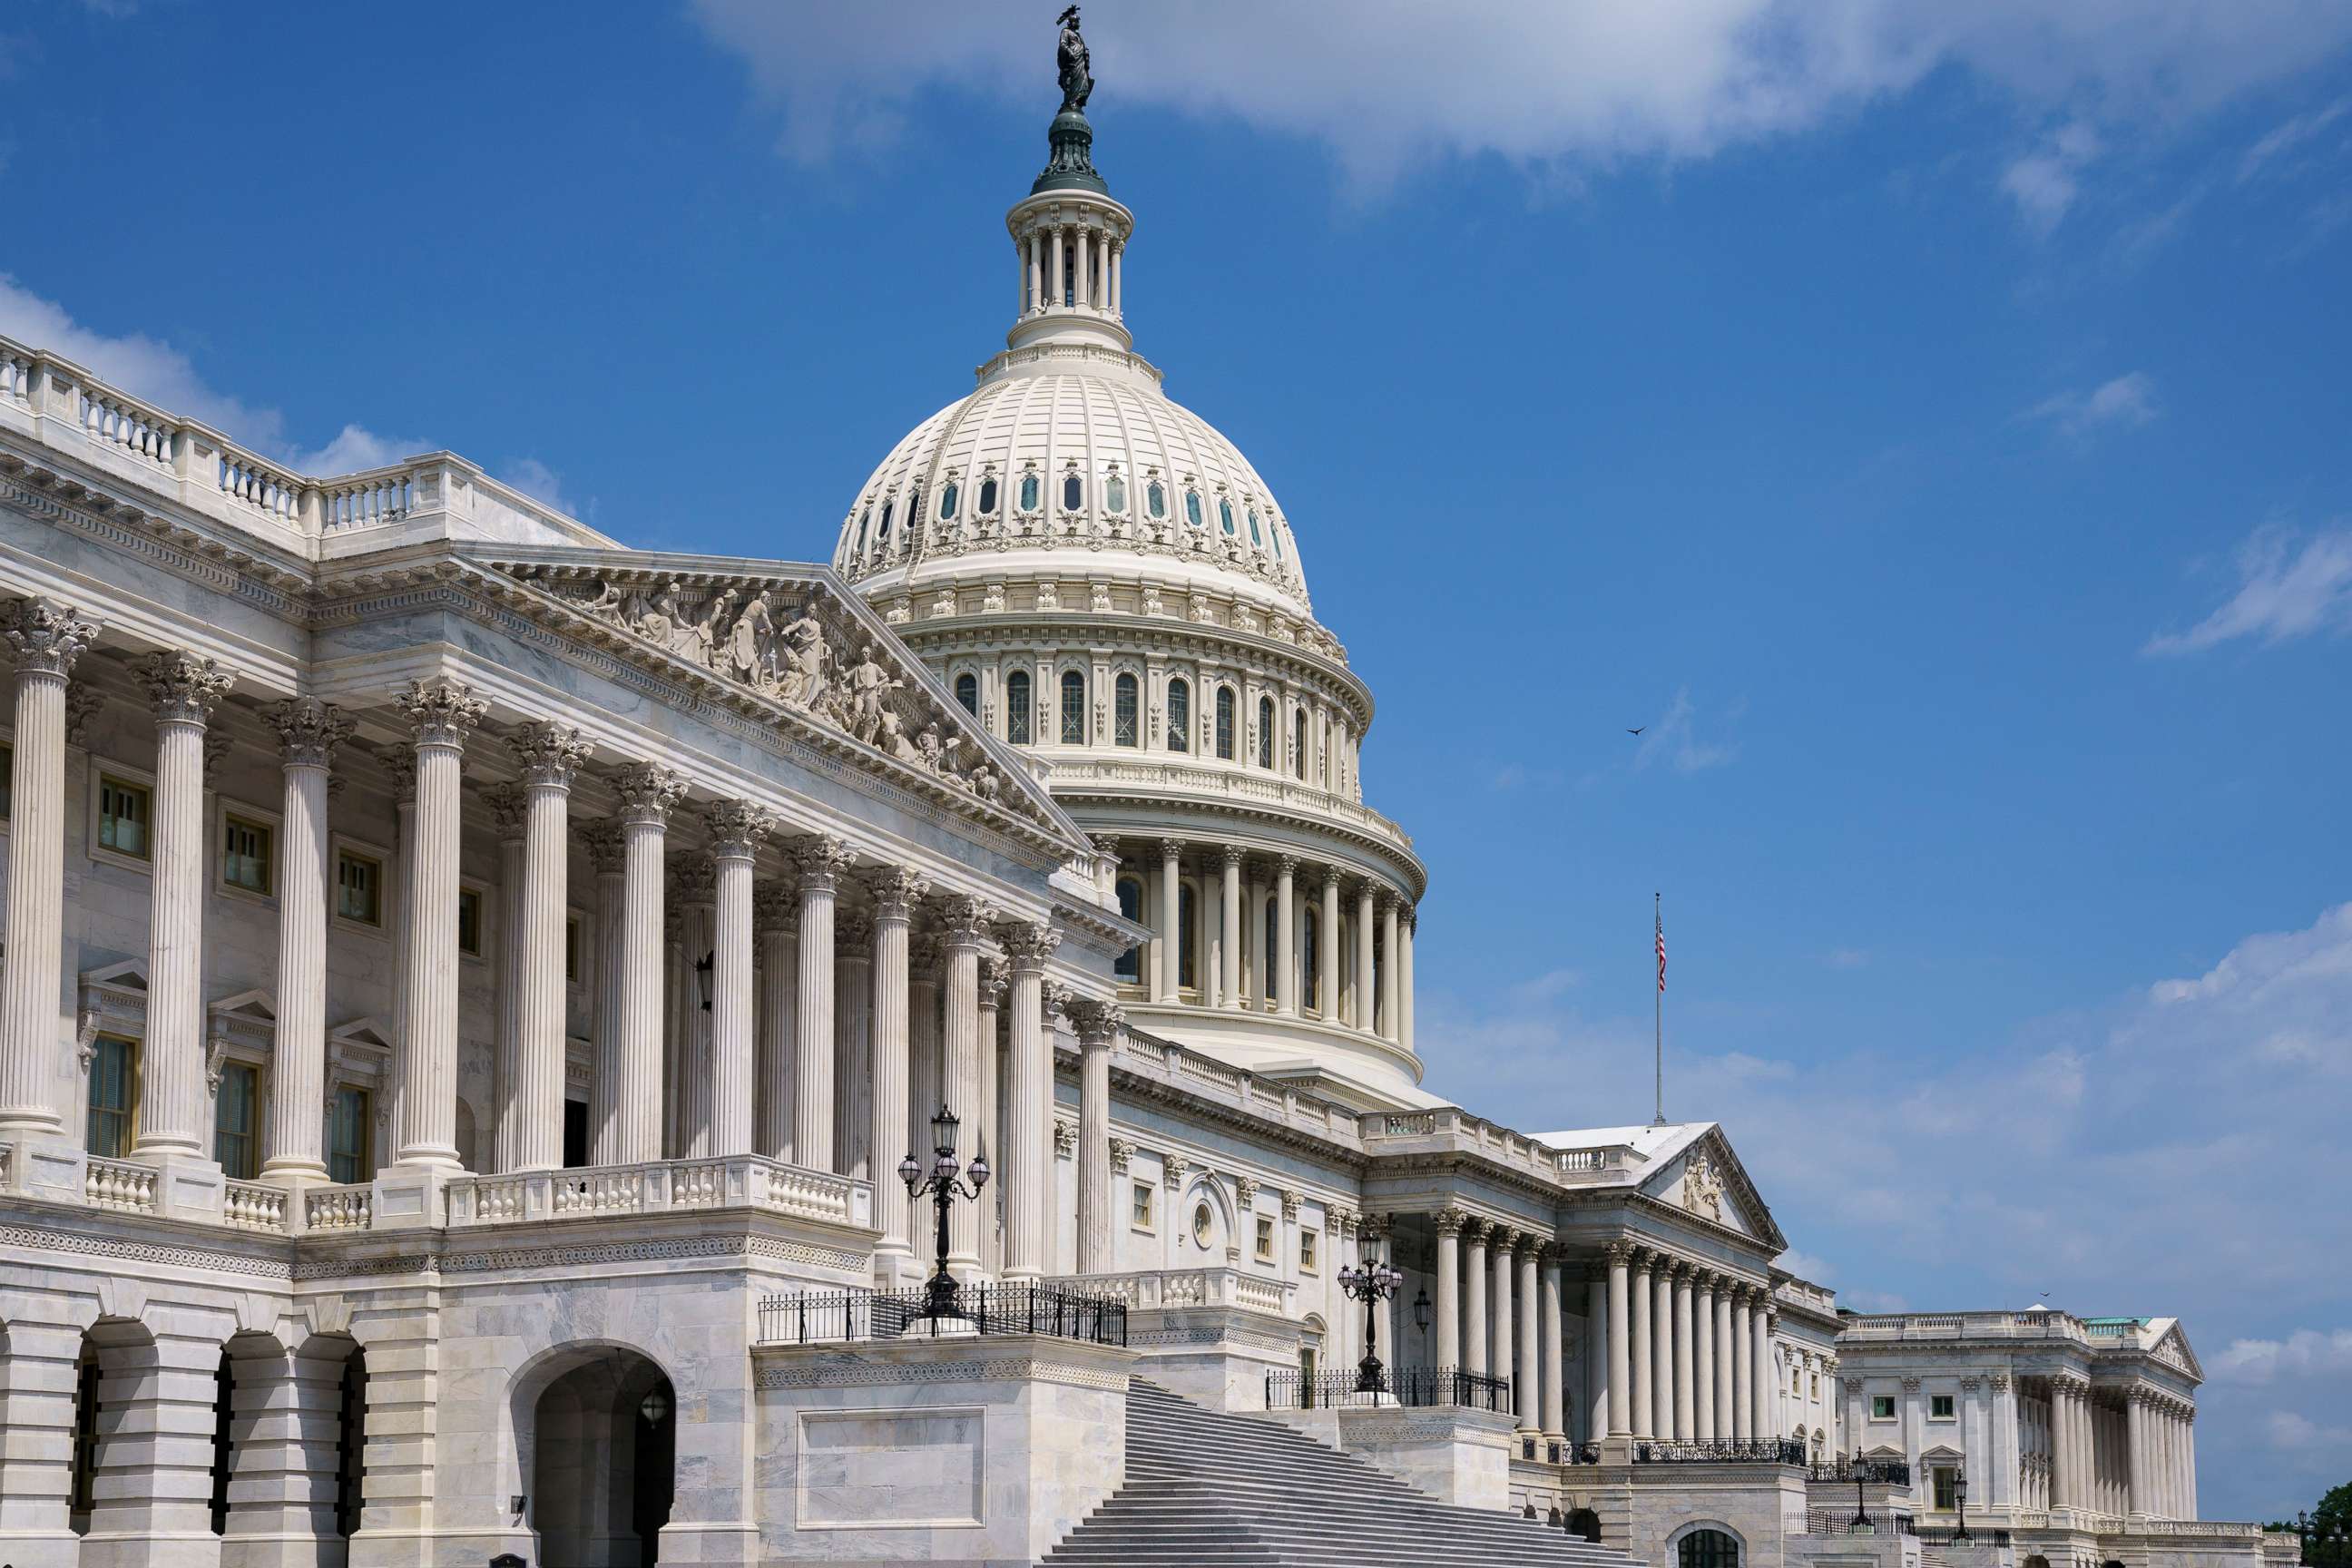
946,501
882,534
1225,722
864,519
1309,941
1273,536
1180,715
1130,966
1265,731
1226,516
1186,912
967,691
1298,744
1029,492
1074,708
1115,495
1016,707
988,496
1256,537
1193,509
1155,496
1123,725
914,517
1073,491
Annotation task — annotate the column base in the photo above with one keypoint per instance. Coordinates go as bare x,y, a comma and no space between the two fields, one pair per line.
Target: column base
285,1549
41,1547
412,1196
157,1548
42,1164
897,1270
187,1186
1617,1448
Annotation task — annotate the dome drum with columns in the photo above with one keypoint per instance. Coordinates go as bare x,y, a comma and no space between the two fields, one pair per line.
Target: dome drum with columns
1107,583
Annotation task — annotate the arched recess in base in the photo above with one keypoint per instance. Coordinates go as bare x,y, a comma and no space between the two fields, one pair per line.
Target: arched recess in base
1584,1524
599,1446
1705,1543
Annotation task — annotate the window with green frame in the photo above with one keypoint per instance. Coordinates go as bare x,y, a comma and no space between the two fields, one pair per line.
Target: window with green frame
113,1090
246,847
235,1113
348,1126
359,887
126,814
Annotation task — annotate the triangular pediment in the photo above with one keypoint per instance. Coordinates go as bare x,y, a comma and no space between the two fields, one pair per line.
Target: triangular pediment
127,975
260,1007
794,640
2172,1347
1707,1179
368,1033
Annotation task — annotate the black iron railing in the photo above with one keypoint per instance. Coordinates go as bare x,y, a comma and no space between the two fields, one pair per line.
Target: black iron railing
849,1316
1946,1535
1871,1472
1839,1521
1413,1386
1735,1451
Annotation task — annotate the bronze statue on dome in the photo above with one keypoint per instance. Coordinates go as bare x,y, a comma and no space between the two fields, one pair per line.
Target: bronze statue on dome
1071,59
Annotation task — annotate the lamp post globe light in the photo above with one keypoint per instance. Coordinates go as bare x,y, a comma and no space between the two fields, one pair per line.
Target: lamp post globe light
940,1291
1372,1285
1861,1522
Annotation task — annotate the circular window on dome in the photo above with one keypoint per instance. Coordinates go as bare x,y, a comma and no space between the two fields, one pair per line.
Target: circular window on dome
1155,495
1029,492
948,501
1193,509
1226,515
1256,538
988,496
1205,1225
1115,495
1073,491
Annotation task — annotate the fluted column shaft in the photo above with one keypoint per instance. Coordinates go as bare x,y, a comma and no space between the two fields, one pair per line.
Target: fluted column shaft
1171,905
1503,1362
1686,1360
1600,1329
625,1118
822,861
698,931
1448,1269
1098,1024
1621,1376
509,811
47,638
1367,936
1389,968
1548,1329
1644,1422
960,950
1703,1402
1029,1120
993,981
1404,980
1229,955
1761,1389
1471,1357
1327,951
775,913
1285,935
551,755
607,841
172,1101
854,1107
2140,1491
1528,1367
308,731
1662,1351
895,892
443,714
737,831
1720,1330
1743,1372
927,1083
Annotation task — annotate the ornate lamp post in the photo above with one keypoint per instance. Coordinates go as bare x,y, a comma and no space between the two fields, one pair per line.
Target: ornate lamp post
1372,1285
1960,1499
940,1292
1861,1521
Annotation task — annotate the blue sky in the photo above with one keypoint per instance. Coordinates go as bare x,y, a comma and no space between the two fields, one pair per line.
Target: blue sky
1930,420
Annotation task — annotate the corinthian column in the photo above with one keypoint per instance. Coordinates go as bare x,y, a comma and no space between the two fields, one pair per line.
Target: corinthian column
172,1118
1171,934
963,925
1449,1224
1686,1349
1621,1371
1098,1024
443,714
1409,922
1327,950
822,861
1471,1353
1029,1111
853,1046
1503,1360
1389,970
510,808
1361,1015
737,831
606,842
308,733
1703,1400
776,919
995,979
1230,948
1285,935
551,756
48,637
896,893
927,1084
625,1111
1547,1331
1743,1368
1644,1358
694,883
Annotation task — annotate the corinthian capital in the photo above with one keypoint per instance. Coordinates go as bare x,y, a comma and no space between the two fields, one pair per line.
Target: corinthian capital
963,921
443,712
897,890
185,687
776,907
48,636
1094,1021
737,828
550,753
647,792
606,845
823,860
308,731
1028,945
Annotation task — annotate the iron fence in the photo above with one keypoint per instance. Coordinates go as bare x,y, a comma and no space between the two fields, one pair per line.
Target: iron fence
850,1316
1410,1385
1873,1472
1837,1521
1737,1451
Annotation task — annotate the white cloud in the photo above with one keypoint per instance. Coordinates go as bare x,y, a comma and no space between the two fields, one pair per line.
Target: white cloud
2288,136
537,480
2125,401
2297,1434
2284,592
2301,1354
1671,739
1805,1266
2045,182
1388,86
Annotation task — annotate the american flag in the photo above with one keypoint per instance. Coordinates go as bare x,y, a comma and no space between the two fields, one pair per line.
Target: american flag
1662,955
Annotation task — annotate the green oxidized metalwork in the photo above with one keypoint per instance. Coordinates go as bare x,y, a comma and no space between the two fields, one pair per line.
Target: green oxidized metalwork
1071,166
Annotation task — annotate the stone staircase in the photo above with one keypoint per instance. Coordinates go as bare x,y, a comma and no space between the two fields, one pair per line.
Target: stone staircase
1204,1488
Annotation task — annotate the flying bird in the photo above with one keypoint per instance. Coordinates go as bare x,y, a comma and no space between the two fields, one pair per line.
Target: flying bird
1636,732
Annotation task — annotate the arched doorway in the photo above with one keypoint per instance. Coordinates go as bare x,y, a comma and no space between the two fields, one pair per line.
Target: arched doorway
602,1462
1704,1548
1584,1524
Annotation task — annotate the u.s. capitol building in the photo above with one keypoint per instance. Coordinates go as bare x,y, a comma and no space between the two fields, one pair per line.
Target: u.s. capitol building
470,988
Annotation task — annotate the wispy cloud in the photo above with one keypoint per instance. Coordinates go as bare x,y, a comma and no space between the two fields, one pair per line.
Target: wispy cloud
2288,587
2288,137
537,480
1672,741
2300,1355
1846,958
2045,182
2125,401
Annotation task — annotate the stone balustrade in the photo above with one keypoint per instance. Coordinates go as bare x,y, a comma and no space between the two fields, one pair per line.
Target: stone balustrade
347,1207
742,1181
1968,1325
1152,1289
1234,781
256,1205
121,1185
1391,1131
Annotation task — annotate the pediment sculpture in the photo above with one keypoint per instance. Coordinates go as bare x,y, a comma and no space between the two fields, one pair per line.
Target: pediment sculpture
1702,1188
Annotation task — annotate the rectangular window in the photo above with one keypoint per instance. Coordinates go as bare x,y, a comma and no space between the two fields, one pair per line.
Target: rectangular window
113,1082
1225,722
1947,1495
1142,1216
7,780
235,1107
470,921
245,848
1939,1406
1796,1381
1265,1239
1882,1407
126,812
1817,1386
359,887
1123,726
571,949
348,1126
1307,1249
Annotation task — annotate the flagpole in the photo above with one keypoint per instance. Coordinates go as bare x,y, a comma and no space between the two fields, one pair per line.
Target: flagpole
1658,931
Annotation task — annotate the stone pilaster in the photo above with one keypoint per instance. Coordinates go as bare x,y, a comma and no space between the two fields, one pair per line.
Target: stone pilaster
43,1377
285,1417
822,861
737,829
46,637
308,731
152,1497
443,714
1029,1111
173,1103
625,1107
